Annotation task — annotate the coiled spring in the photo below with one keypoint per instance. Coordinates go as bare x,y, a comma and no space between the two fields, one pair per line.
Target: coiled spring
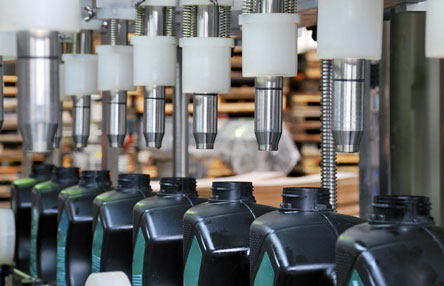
248,6
139,28
328,151
291,6
170,21
113,32
224,21
189,21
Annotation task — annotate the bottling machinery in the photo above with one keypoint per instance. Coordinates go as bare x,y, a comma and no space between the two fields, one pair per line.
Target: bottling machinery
381,95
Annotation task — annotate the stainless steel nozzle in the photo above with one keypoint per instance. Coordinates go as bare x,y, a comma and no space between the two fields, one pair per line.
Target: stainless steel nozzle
116,118
59,133
205,120
81,117
38,88
154,116
268,112
348,104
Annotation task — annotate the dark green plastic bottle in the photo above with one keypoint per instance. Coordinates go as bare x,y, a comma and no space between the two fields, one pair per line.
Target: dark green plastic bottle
399,246
158,233
295,245
113,223
216,236
21,193
74,239
44,222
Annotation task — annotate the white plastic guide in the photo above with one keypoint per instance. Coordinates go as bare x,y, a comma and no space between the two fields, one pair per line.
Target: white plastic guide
80,74
115,67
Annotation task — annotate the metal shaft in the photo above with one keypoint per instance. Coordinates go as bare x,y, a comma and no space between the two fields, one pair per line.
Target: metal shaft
328,153
2,111
81,118
81,112
38,88
348,100
116,118
116,127
154,99
268,112
59,133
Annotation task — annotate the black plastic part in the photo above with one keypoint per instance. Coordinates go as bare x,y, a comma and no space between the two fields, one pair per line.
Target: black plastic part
45,202
21,198
5,270
76,205
40,170
221,229
177,186
160,220
232,192
305,199
62,174
401,209
393,251
299,240
114,209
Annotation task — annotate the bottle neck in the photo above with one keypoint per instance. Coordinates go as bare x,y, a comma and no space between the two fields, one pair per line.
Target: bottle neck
305,199
232,192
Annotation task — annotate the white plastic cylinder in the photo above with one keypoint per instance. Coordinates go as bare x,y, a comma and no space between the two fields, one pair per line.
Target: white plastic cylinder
115,67
161,3
155,60
269,44
53,15
8,44
206,2
434,29
117,278
80,74
7,236
350,29
206,65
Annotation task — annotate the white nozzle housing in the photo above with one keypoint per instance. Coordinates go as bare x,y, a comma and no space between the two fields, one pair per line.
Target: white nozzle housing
115,67
80,74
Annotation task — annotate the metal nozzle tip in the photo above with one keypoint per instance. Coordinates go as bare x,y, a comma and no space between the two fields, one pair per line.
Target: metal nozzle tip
268,141
38,138
347,148
153,140
205,140
80,141
347,141
116,141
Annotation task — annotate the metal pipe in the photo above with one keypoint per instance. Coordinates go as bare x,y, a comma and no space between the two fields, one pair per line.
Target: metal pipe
348,104
59,133
81,117
38,88
180,123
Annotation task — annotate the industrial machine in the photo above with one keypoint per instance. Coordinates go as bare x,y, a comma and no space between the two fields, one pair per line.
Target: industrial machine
382,95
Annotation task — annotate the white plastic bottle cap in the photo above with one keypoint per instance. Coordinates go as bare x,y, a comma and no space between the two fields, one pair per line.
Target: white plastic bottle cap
7,236
269,44
350,29
225,3
8,44
116,13
53,15
80,74
154,60
206,65
434,29
161,3
117,278
115,67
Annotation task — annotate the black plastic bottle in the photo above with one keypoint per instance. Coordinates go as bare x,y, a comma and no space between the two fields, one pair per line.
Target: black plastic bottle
113,223
74,237
216,236
44,222
158,233
295,245
399,246
21,193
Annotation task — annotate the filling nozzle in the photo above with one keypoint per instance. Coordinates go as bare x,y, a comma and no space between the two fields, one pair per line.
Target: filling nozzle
59,133
268,112
81,117
116,118
154,116
38,88
348,104
205,120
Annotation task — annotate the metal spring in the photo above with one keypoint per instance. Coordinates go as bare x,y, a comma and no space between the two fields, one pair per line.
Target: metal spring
224,21
328,151
189,21
113,32
139,26
291,6
170,21
248,6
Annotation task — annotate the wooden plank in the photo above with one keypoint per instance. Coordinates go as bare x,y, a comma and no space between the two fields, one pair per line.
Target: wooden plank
10,138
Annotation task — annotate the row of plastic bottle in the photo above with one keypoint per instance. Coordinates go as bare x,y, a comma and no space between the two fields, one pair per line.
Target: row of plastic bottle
67,228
